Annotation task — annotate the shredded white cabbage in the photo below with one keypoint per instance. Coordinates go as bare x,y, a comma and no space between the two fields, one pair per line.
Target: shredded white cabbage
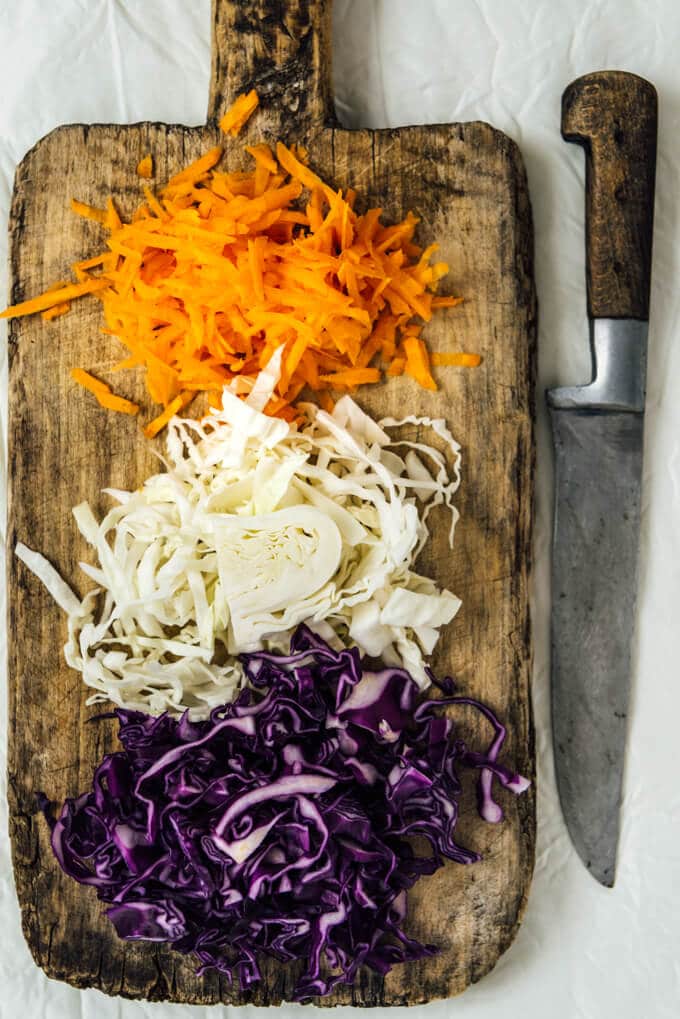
254,527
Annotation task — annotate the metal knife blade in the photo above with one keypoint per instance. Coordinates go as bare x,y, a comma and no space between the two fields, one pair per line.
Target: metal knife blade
598,463
598,439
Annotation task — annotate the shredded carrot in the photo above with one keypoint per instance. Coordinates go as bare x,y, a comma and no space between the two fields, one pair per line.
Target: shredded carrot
89,382
88,263
113,220
217,269
145,167
174,407
352,377
56,311
118,403
194,172
102,392
451,360
52,297
418,362
239,112
307,177
262,154
326,401
88,211
155,206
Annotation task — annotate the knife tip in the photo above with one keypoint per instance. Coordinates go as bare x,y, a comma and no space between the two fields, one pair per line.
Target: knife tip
605,875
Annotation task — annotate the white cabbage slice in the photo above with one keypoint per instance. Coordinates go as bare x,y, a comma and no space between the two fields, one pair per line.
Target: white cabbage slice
254,527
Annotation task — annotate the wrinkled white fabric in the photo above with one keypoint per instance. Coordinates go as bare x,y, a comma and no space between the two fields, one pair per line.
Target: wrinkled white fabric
583,952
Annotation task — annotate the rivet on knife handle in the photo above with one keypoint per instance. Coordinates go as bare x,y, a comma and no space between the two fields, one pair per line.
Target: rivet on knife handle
613,114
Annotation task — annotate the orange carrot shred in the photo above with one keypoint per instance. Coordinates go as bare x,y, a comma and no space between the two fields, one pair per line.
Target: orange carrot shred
217,269
102,392
88,211
174,407
145,167
300,172
417,362
117,403
87,263
88,381
195,170
239,112
52,297
262,154
450,360
112,220
154,204
352,377
56,311
327,402
162,380
128,362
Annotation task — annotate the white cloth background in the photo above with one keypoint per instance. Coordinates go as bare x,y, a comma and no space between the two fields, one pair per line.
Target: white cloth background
583,952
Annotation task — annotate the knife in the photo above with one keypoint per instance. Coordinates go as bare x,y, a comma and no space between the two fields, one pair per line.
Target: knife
597,433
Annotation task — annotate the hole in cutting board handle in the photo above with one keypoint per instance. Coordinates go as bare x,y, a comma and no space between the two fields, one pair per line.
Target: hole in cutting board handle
282,48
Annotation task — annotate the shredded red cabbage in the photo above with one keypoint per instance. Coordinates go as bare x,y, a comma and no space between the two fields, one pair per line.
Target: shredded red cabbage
280,826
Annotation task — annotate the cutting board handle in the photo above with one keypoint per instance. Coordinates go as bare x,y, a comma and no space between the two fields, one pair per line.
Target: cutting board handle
613,114
282,48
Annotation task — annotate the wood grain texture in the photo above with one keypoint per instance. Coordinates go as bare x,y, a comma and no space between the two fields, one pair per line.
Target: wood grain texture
468,185
613,114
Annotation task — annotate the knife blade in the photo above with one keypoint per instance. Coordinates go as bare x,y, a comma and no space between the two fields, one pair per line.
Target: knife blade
597,432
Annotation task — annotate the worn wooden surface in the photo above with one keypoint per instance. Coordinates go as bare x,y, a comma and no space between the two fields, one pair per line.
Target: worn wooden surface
613,114
468,185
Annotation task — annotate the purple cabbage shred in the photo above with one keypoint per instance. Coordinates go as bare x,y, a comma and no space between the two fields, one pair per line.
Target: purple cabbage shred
281,826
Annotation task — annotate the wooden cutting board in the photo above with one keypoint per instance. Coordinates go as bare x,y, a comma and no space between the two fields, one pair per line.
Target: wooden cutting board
467,183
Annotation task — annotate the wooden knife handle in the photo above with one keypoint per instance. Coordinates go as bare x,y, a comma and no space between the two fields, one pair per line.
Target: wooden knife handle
613,114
